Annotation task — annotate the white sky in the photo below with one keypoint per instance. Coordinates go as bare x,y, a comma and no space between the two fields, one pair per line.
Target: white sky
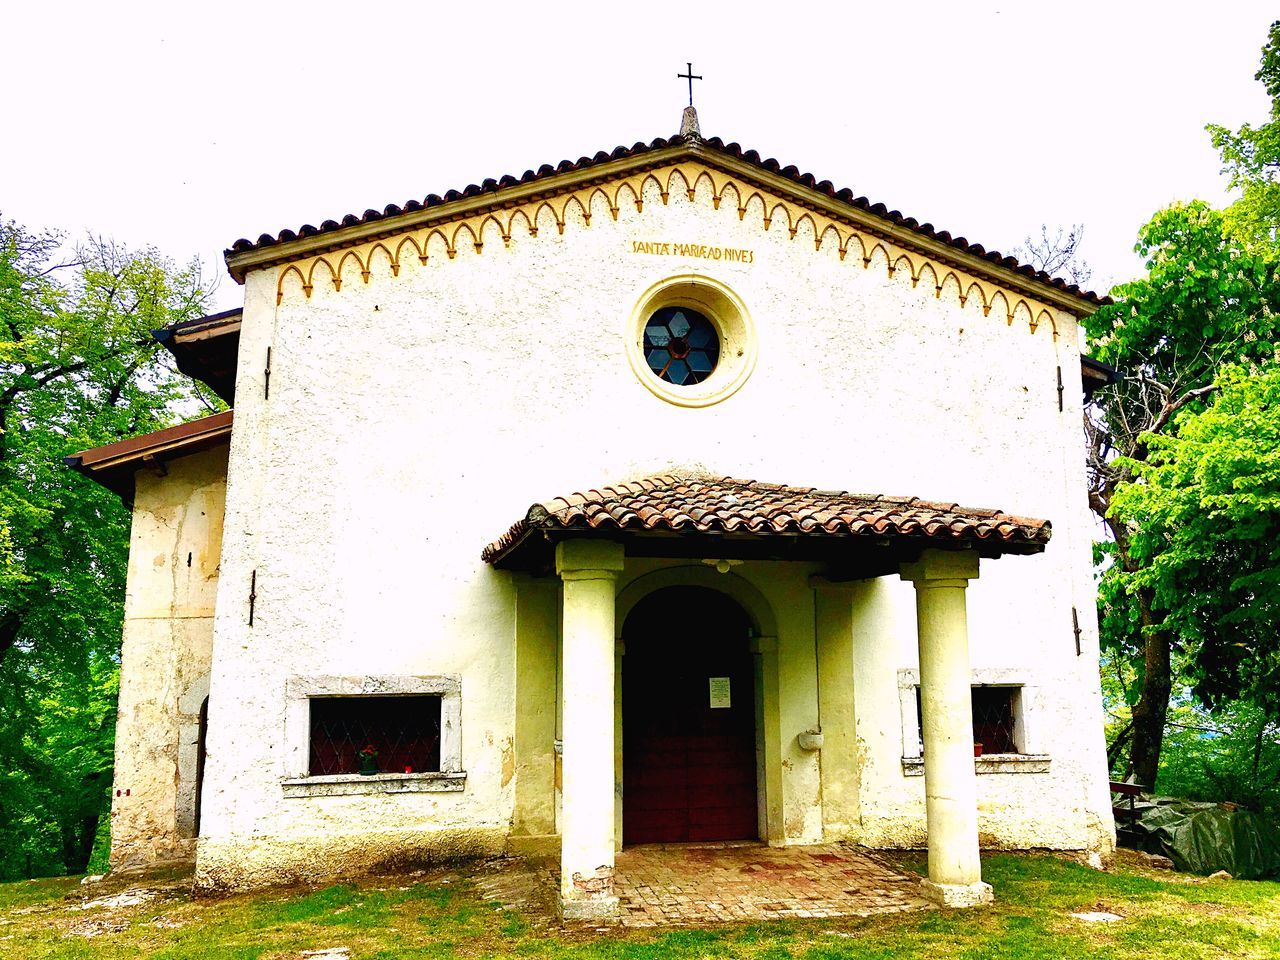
187,126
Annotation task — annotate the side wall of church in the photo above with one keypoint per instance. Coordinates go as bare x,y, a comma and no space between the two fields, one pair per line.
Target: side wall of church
415,413
174,551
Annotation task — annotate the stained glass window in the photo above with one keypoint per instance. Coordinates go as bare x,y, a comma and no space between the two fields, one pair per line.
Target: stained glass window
681,345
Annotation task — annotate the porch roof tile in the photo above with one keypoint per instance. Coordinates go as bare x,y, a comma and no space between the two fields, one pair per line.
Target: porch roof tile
692,505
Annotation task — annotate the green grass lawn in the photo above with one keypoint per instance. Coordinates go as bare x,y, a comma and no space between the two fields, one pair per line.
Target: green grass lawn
439,915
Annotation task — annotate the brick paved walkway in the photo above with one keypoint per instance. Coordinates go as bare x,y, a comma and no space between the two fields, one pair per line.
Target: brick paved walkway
660,885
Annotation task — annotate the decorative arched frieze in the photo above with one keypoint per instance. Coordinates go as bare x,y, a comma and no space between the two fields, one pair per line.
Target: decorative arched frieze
579,206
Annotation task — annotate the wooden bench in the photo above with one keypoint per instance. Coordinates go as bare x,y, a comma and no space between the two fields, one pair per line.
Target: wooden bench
1125,811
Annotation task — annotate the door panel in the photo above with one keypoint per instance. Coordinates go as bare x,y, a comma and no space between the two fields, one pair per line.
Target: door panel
689,765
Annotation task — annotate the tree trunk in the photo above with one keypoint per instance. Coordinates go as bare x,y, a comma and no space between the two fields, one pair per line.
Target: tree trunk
84,845
10,625
1152,708
70,846
80,828
1118,744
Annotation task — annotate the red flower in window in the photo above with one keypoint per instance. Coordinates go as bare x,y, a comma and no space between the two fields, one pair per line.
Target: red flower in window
370,752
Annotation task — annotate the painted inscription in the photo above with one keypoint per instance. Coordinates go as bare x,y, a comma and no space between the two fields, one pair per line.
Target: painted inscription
699,251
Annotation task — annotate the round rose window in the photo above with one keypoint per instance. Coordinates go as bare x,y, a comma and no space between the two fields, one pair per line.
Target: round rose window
681,345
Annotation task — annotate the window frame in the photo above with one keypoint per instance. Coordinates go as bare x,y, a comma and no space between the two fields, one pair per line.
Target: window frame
726,312
300,691
1031,756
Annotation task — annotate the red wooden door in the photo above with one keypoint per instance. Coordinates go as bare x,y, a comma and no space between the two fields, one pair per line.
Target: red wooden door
688,720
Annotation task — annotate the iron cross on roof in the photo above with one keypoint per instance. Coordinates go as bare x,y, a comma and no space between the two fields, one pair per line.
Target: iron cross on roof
690,76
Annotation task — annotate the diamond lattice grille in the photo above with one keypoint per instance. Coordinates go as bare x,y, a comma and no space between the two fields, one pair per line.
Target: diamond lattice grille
404,733
993,719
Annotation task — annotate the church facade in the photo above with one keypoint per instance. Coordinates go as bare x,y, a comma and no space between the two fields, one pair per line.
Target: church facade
668,495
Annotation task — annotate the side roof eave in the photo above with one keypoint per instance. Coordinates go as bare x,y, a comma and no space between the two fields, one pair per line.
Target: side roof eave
114,464
206,349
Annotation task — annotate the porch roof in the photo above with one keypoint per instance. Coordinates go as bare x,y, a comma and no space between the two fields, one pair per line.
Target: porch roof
725,518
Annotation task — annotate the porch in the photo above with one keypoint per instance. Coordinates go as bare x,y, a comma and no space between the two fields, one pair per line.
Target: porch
684,730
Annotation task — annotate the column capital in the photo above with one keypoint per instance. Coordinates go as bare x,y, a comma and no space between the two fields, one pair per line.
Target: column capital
942,568
589,559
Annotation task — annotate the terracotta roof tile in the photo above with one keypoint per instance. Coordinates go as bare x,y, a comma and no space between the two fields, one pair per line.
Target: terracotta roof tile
713,144
724,505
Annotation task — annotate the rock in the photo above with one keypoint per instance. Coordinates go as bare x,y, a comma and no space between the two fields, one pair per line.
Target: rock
93,878
1157,862
1220,875
96,928
328,953
129,898
1097,916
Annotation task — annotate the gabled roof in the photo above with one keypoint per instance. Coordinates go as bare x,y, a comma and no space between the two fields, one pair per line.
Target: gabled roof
290,244
115,464
736,512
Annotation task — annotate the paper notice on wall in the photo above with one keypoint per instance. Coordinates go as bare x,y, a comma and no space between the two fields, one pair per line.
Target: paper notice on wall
720,699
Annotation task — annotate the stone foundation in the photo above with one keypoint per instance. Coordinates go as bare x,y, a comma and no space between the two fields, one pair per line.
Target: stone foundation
241,863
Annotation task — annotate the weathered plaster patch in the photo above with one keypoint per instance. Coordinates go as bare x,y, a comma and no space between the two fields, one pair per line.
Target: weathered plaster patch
508,761
168,630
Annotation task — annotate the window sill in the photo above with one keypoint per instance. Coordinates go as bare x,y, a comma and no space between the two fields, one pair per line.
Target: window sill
347,784
989,763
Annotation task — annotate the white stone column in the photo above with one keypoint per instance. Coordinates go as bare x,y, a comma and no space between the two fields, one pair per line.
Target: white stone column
951,796
588,569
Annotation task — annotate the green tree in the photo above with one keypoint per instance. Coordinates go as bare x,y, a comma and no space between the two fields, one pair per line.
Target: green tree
1251,158
1207,303
78,368
1231,753
1204,522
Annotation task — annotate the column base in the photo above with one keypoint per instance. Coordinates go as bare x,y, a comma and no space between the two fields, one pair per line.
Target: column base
957,895
598,908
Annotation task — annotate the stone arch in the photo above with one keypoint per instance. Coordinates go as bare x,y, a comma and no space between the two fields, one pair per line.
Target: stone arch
193,722
392,266
743,592
629,188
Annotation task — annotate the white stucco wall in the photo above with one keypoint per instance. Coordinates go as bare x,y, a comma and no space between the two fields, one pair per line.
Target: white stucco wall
412,418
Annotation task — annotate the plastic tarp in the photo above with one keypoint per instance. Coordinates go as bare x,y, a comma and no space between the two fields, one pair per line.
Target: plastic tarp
1205,837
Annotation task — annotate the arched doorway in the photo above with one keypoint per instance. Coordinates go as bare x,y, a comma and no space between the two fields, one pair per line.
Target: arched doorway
688,719
201,738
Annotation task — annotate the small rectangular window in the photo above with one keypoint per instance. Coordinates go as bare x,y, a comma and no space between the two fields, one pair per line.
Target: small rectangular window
371,734
994,710
996,719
